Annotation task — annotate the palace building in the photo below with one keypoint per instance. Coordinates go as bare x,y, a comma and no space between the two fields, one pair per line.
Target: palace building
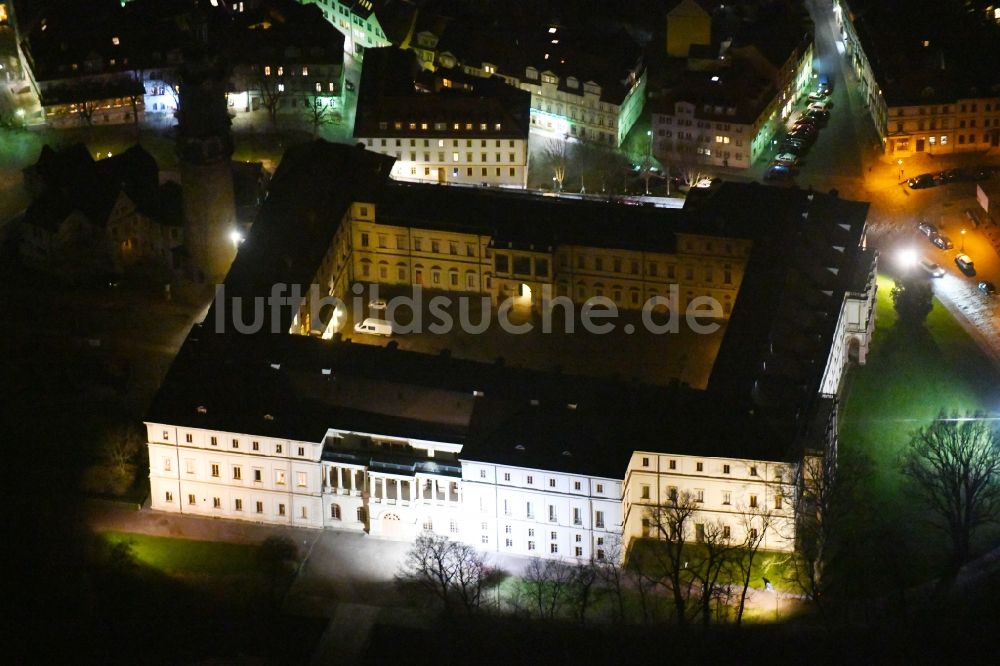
293,429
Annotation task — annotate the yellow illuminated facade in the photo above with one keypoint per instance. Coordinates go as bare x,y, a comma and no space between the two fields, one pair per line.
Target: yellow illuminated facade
367,250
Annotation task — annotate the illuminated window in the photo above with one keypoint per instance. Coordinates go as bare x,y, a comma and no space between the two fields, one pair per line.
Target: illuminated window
115,41
319,87
281,71
281,87
305,71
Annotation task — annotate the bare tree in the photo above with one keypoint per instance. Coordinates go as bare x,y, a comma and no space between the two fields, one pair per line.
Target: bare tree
669,524
120,446
271,88
755,521
584,589
610,569
954,464
554,157
688,166
713,555
814,513
87,109
320,113
548,582
455,573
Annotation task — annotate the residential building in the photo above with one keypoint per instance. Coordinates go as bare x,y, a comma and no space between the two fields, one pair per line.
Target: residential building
108,214
442,127
689,23
585,84
286,61
109,63
300,430
736,92
356,20
928,83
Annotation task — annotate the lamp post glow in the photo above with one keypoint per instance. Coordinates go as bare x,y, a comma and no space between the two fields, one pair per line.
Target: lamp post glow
907,258
900,163
236,237
963,240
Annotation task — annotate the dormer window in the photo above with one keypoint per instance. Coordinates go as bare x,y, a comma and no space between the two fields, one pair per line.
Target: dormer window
489,69
572,82
531,73
115,41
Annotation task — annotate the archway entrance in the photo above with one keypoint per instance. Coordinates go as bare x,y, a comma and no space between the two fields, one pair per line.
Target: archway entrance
523,297
392,526
854,350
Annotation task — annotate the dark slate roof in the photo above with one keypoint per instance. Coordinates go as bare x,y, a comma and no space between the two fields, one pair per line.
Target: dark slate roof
388,94
308,195
738,95
579,425
524,219
781,330
70,179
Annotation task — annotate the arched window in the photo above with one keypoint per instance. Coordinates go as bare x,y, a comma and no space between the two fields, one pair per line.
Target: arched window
335,511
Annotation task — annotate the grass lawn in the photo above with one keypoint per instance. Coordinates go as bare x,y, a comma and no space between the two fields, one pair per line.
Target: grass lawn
911,374
187,556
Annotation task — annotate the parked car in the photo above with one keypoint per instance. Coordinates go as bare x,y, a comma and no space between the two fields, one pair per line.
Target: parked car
927,229
793,147
956,175
349,84
806,122
778,172
817,96
820,106
786,159
823,83
374,327
921,181
982,173
819,117
931,268
942,241
376,304
964,263
804,132
987,288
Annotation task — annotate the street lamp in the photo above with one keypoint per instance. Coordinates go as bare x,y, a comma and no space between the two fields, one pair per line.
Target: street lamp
900,163
963,240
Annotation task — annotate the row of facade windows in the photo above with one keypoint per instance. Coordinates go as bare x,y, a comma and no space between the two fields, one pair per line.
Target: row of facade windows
192,500
698,495
190,467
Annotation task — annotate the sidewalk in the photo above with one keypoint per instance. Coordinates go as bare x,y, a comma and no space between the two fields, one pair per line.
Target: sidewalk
107,518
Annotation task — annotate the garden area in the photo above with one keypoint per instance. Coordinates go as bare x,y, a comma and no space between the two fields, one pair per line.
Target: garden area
914,370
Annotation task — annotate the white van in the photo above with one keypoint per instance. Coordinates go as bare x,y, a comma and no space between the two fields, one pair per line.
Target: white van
374,327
